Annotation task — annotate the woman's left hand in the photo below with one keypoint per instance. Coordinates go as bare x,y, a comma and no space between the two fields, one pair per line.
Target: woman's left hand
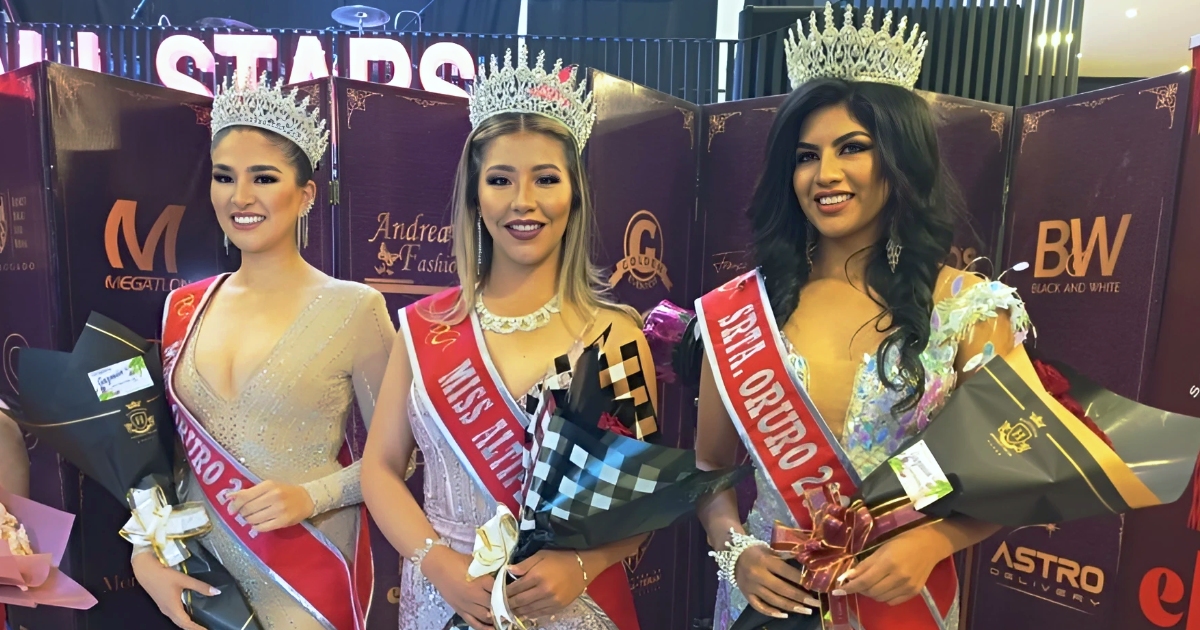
546,584
271,505
898,570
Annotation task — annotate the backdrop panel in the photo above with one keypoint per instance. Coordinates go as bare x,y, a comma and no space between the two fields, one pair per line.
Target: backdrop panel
641,160
1093,192
396,150
125,218
1157,583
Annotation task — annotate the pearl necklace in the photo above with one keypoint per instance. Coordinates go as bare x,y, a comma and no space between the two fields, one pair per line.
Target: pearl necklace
508,325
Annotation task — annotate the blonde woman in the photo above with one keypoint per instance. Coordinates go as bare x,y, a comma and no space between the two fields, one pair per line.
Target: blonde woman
466,371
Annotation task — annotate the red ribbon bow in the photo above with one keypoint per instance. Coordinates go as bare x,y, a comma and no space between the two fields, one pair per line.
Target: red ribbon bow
840,532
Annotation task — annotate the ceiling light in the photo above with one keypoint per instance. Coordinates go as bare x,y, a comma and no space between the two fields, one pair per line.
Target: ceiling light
1079,55
1132,13
1070,37
1056,38
1041,40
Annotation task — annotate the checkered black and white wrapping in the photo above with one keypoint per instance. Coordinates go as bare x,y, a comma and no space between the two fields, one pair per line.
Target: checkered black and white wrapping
577,473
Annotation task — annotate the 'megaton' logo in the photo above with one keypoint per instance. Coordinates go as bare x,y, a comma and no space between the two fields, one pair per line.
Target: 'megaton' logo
122,220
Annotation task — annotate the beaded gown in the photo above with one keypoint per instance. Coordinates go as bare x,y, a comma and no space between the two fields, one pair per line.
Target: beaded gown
872,434
288,424
455,507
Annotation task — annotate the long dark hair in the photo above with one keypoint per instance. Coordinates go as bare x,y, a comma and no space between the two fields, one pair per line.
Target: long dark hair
917,209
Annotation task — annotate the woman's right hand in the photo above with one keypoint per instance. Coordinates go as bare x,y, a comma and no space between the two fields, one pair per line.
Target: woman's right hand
446,569
770,584
166,586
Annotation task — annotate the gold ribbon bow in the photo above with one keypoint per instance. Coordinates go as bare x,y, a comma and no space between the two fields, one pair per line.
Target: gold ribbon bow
495,542
164,527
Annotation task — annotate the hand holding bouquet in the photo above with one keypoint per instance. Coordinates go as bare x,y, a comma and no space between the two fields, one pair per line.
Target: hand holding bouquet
1013,446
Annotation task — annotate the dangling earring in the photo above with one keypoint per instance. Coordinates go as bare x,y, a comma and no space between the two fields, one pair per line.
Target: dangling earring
478,243
811,248
302,227
893,247
226,244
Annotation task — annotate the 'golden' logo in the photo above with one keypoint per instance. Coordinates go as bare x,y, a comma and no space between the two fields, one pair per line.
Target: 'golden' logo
1076,260
140,422
642,263
122,218
1014,439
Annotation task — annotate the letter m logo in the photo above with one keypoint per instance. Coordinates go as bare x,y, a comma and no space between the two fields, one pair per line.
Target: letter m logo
122,220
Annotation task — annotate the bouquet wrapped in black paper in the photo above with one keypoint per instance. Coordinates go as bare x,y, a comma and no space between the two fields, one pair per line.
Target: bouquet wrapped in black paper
102,408
589,482
1013,446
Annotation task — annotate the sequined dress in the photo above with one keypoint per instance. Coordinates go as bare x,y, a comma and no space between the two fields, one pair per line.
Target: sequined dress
872,434
288,425
455,506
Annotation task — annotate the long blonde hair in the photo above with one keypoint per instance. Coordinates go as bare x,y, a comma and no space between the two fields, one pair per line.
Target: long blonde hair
580,282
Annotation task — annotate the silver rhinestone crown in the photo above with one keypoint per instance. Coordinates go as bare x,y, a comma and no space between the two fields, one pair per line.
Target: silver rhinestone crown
855,54
525,89
267,107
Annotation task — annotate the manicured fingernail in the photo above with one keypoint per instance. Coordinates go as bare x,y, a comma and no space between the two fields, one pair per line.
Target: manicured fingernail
214,591
845,576
802,610
779,615
815,603
838,593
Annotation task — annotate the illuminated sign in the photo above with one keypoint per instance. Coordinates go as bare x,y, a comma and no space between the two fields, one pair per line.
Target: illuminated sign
247,49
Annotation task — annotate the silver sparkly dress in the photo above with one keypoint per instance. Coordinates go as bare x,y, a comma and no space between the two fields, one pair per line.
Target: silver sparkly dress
872,434
288,425
455,507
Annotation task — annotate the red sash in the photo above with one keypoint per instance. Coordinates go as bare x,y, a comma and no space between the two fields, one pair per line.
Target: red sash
299,558
781,428
483,424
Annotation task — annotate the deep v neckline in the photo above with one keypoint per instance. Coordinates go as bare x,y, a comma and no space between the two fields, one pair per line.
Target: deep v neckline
486,353
258,369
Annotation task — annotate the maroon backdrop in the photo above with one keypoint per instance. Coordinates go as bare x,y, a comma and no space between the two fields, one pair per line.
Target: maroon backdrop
396,151
102,213
1157,583
1091,212
641,160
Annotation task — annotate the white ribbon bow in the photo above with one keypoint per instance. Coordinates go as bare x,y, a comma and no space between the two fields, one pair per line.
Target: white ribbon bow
164,527
495,542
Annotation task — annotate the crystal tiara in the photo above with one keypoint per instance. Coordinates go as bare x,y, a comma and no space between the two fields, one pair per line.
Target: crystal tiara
851,54
528,89
267,107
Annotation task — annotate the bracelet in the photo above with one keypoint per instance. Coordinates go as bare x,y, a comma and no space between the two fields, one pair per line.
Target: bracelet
419,555
579,559
727,559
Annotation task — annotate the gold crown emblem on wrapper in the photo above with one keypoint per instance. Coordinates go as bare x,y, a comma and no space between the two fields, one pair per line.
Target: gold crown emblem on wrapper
140,422
854,54
266,106
525,89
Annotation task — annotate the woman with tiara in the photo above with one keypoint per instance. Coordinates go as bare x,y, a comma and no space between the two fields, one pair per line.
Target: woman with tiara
464,376
261,367
867,328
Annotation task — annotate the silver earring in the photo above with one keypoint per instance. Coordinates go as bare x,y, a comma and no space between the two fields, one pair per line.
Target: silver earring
811,248
302,227
226,244
479,242
893,248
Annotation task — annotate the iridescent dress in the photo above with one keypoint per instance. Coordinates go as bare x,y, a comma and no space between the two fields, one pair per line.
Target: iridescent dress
455,507
288,424
872,434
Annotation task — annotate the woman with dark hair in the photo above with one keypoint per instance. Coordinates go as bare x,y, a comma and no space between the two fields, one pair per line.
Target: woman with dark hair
262,366
849,335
